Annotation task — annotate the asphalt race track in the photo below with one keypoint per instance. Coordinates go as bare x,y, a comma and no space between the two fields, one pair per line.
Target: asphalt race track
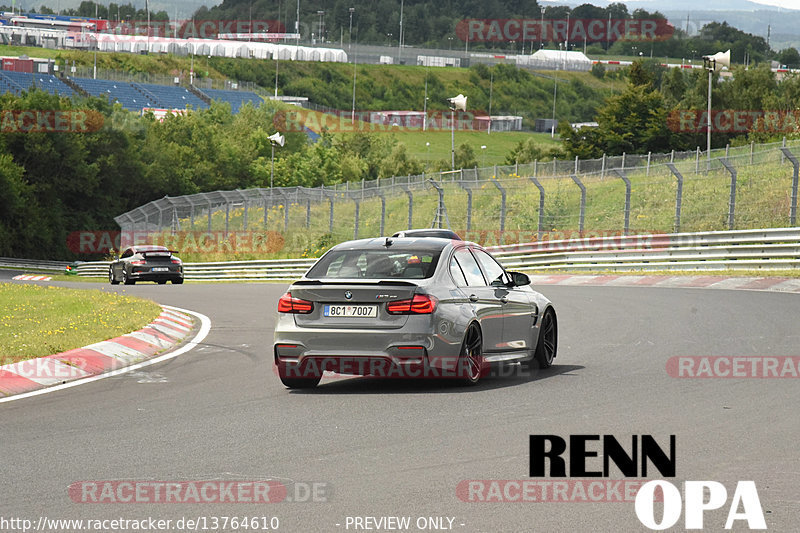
400,448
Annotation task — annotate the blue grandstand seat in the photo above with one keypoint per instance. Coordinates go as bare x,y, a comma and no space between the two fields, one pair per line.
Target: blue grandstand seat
236,98
122,92
19,81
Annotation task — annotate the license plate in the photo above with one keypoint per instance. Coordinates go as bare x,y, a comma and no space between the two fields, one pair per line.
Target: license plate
160,269
354,311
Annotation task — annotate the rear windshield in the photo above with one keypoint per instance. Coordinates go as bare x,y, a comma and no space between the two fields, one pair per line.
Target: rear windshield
376,264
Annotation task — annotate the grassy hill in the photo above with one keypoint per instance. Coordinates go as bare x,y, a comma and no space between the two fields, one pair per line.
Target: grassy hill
763,200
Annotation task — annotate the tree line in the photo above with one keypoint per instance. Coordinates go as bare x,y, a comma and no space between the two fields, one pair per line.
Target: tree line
428,23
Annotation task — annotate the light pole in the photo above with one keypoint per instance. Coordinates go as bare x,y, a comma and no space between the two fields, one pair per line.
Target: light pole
541,31
274,139
710,63
553,124
491,90
400,37
425,105
355,63
457,102
350,42
321,26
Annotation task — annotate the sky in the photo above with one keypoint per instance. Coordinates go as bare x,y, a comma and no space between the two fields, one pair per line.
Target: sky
789,4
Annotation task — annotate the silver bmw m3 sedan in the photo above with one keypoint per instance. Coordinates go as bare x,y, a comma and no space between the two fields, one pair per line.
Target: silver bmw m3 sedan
410,307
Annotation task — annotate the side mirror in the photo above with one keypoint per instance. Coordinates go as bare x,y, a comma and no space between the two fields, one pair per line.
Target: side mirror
519,279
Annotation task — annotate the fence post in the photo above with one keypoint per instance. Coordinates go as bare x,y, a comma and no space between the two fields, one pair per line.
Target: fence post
576,164
697,161
603,167
783,145
793,207
624,178
672,156
535,166
582,214
330,216
469,205
383,210
678,196
516,168
727,150
308,213
502,208
623,161
285,211
355,230
540,231
732,201
244,214
410,206
441,210
266,209
752,144
209,217
191,214
227,216
647,172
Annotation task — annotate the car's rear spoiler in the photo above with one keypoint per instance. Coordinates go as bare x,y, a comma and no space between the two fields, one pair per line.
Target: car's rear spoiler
160,252
355,281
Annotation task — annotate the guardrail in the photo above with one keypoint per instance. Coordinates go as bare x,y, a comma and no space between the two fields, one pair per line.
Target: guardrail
33,264
761,249
264,270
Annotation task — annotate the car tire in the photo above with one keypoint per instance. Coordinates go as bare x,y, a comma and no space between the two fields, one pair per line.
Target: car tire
471,365
111,279
299,383
547,346
178,281
162,282
125,279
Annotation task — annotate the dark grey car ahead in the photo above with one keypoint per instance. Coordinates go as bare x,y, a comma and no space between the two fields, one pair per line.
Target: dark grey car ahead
146,263
410,307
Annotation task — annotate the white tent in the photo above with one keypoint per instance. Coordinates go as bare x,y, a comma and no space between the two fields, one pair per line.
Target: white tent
556,60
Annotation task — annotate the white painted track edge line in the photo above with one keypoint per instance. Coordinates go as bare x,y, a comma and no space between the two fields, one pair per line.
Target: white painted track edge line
205,327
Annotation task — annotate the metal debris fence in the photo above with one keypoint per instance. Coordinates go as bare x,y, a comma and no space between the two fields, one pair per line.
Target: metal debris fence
731,188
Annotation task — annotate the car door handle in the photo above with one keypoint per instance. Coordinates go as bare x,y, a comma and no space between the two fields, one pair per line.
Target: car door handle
504,299
473,298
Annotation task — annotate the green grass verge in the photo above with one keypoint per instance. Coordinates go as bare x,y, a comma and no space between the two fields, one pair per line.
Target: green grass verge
39,320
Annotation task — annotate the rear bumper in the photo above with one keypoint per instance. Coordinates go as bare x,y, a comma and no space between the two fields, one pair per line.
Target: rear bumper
421,366
156,276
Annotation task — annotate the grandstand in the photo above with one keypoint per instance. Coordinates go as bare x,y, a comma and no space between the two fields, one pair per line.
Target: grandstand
122,92
236,98
132,96
16,82
171,97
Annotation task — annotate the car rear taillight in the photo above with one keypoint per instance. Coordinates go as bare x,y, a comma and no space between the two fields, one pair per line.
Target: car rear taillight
420,304
137,262
176,261
289,304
